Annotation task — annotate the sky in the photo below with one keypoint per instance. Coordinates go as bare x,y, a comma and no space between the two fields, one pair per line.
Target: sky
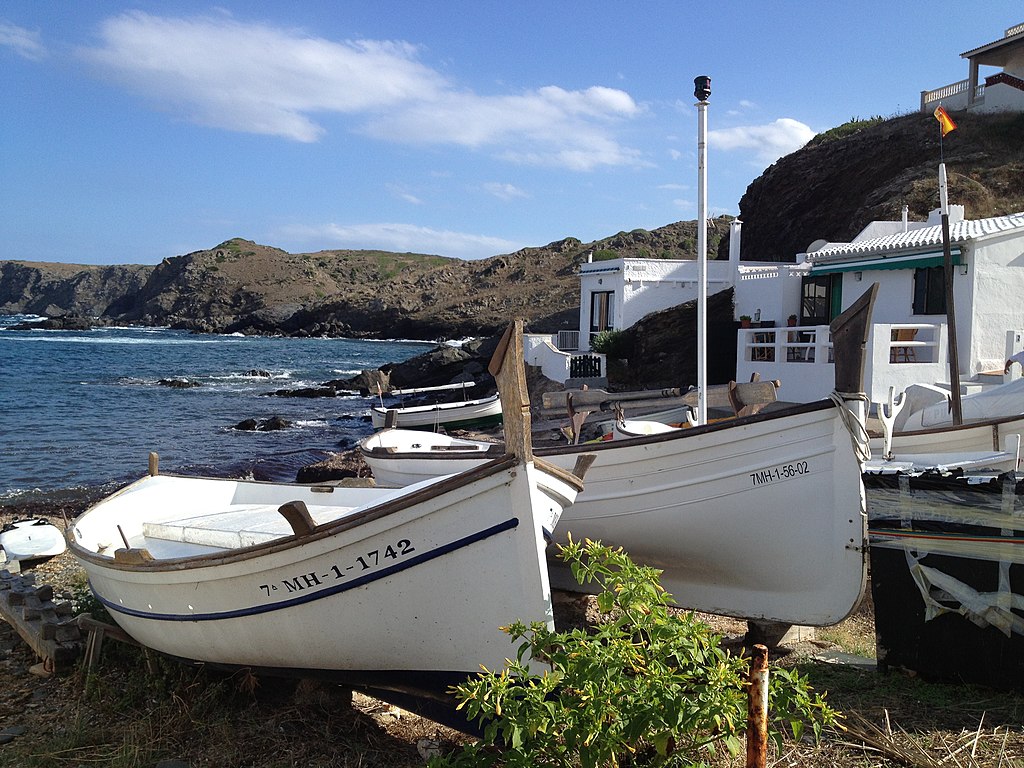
132,132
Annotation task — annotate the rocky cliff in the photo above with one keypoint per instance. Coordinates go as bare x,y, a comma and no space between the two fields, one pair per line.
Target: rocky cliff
867,170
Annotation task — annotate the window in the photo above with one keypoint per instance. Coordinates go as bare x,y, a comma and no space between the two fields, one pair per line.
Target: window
602,307
930,291
821,299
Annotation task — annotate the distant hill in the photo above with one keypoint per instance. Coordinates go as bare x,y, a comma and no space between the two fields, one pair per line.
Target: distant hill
241,286
843,179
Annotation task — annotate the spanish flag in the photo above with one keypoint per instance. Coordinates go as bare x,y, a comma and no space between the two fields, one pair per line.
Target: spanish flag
946,123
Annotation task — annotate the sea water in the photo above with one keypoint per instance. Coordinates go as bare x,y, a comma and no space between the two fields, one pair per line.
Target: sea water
85,408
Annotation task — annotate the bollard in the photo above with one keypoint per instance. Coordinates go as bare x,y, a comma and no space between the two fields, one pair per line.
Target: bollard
757,709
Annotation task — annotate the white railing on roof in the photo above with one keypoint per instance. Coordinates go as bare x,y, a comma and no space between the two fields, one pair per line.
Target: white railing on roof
1015,30
941,94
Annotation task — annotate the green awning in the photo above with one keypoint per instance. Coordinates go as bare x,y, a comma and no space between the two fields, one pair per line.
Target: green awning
908,261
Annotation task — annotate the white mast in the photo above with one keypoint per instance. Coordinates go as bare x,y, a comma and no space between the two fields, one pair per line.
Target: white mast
701,91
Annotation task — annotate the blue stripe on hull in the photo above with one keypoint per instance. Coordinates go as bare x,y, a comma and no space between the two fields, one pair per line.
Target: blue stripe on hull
320,594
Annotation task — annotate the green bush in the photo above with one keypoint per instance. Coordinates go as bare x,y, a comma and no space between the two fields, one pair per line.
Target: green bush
645,687
616,344
854,125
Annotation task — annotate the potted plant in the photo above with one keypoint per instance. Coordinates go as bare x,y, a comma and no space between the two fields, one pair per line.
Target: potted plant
744,321
792,320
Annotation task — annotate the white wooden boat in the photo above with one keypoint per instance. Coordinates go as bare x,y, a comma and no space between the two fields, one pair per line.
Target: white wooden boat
1005,400
995,440
760,517
33,539
480,412
627,428
393,588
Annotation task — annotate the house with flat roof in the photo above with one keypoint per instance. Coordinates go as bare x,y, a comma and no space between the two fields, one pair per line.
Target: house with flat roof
1000,91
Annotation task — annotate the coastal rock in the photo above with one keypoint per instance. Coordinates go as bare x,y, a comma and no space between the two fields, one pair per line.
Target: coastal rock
306,392
264,425
336,467
64,323
179,383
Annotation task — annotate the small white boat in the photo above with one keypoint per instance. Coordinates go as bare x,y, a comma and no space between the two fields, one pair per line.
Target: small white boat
760,517
993,443
33,539
403,589
1000,402
484,411
627,428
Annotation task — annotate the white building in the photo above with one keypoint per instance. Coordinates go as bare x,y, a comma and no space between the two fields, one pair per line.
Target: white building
1003,90
908,343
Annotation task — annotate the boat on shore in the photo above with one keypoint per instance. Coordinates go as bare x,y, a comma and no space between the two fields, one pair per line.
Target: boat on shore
400,590
30,541
463,414
760,517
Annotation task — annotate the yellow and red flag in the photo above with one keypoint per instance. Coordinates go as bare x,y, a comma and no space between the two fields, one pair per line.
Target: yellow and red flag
946,123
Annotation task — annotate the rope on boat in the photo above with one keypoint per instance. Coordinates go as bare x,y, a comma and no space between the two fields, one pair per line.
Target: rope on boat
856,427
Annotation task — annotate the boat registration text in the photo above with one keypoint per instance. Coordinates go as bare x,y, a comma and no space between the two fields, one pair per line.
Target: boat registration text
781,472
356,567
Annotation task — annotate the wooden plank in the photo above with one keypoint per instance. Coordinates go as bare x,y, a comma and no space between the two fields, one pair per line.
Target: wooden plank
509,372
37,619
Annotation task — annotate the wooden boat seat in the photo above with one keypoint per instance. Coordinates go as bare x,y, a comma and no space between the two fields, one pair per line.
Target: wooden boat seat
240,525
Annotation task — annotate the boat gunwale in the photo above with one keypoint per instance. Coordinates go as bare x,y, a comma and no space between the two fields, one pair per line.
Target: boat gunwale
291,541
992,423
437,407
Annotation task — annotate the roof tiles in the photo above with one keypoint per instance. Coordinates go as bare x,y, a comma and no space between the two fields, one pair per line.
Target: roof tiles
923,237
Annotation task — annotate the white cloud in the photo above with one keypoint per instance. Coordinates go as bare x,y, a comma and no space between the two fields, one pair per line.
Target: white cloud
770,142
403,194
23,42
256,78
548,126
401,238
504,191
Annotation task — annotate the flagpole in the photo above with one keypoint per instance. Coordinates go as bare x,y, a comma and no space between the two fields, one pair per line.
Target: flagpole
701,91
946,125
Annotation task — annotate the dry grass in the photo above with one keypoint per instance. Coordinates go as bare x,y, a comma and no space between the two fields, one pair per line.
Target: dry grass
123,716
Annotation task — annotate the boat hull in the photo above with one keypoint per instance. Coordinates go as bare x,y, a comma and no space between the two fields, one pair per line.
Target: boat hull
947,576
761,517
421,580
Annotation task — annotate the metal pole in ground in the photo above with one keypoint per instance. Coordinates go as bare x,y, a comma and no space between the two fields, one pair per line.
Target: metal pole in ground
701,91
757,709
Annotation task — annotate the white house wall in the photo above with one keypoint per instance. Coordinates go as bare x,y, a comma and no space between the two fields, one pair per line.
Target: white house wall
767,292
643,286
997,274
